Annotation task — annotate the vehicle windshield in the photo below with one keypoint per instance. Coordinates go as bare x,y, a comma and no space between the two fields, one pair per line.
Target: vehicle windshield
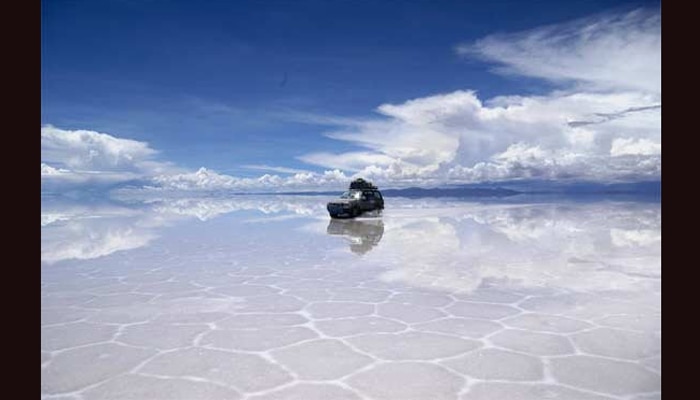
351,194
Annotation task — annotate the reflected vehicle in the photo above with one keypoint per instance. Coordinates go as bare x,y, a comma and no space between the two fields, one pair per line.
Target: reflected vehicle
362,235
361,197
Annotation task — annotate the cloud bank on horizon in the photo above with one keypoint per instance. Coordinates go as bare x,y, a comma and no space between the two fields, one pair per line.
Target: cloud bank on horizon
602,122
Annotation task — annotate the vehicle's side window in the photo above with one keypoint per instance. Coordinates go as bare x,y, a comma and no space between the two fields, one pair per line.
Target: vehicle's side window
378,195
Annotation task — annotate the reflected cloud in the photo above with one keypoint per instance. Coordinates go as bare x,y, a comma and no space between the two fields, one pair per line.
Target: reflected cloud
72,230
87,241
362,235
207,208
578,247
441,245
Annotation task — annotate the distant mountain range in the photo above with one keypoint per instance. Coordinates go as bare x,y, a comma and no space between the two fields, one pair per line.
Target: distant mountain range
651,189
648,190
415,192
561,187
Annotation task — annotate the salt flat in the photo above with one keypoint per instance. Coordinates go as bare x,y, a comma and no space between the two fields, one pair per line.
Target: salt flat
264,297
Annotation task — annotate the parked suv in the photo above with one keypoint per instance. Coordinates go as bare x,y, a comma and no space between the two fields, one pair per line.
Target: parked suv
362,196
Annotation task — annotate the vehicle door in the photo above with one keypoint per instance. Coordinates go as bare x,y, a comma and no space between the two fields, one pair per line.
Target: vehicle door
368,202
379,200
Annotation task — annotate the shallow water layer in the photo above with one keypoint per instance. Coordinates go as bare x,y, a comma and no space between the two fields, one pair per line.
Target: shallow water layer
265,297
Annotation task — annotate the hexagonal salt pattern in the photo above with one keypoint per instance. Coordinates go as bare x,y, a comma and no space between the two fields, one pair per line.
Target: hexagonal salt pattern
310,391
495,364
247,372
482,302
498,390
543,344
356,326
323,359
618,343
257,339
134,386
81,367
409,380
604,375
412,345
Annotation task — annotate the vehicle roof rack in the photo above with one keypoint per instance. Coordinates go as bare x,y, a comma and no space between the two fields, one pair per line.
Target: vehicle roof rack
360,183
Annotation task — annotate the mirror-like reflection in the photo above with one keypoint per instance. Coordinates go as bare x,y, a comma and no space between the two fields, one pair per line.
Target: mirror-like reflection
72,230
565,297
582,247
454,246
362,235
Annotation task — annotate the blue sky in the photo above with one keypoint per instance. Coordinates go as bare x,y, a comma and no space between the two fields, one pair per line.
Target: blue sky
313,93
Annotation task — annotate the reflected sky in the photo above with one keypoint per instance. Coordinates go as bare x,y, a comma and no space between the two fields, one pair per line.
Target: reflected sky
73,230
442,244
485,300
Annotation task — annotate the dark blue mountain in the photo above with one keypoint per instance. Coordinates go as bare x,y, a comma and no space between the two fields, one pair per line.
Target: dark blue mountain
466,191
652,188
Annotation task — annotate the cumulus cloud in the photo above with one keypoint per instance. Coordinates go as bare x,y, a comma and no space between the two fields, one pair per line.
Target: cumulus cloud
351,161
88,150
87,157
604,123
47,170
208,180
84,155
631,146
457,138
72,157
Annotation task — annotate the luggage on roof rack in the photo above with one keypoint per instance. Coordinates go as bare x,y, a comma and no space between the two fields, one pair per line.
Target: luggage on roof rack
360,183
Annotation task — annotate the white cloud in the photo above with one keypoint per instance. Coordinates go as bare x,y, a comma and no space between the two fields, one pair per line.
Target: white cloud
456,137
604,125
610,52
87,157
207,180
272,168
47,170
90,150
50,218
79,156
635,237
352,161
630,146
